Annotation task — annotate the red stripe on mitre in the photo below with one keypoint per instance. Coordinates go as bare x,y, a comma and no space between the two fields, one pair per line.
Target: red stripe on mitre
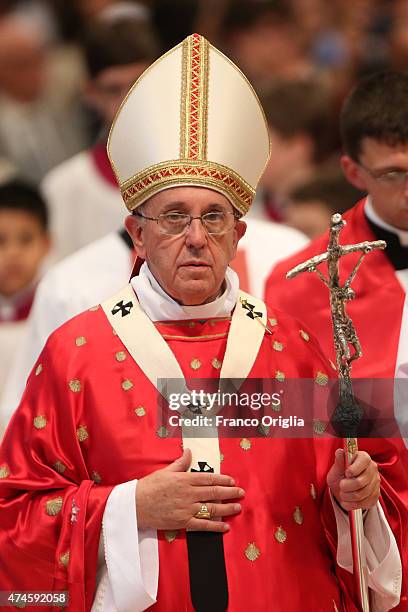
195,68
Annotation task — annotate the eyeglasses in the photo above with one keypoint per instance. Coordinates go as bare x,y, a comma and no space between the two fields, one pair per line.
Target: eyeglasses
391,178
174,224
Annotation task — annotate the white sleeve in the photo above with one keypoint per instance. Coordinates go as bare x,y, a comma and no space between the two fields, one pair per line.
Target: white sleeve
382,556
128,578
45,316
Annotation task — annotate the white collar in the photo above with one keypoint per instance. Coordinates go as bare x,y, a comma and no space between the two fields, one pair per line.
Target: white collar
159,306
374,218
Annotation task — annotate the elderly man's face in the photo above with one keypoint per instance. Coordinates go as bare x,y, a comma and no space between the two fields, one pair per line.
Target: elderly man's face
190,267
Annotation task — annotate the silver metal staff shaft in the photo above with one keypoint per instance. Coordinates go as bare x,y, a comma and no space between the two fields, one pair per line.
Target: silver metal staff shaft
348,349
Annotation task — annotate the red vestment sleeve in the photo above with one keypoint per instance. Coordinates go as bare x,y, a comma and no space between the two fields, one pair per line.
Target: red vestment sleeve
50,508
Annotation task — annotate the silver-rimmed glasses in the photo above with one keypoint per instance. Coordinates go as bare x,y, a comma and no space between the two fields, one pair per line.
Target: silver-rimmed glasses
389,178
215,223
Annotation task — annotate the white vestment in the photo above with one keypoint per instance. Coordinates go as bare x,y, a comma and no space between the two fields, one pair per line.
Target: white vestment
83,204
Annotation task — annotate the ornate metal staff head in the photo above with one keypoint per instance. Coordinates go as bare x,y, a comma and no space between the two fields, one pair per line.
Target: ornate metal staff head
346,341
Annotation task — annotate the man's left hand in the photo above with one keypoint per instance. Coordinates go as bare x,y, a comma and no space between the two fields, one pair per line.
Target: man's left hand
359,485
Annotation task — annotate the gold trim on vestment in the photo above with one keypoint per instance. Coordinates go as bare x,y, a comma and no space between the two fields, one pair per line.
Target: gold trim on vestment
189,322
82,433
64,559
40,421
54,506
195,338
4,471
59,467
252,552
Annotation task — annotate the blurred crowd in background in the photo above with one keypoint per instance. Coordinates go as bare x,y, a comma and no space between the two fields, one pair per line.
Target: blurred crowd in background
65,66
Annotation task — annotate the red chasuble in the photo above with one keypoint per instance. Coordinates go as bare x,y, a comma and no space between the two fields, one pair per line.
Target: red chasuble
88,421
376,313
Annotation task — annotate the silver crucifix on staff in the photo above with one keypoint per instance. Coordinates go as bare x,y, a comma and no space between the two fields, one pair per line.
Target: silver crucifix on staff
349,413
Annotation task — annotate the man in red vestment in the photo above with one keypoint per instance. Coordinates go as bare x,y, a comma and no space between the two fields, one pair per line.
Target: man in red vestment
97,497
374,129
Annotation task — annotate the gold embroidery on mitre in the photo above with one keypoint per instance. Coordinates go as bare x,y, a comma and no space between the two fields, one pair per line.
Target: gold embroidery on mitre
127,385
80,341
194,98
75,385
318,426
145,184
273,322
59,467
304,335
38,369
245,444
82,433
280,535
94,308
216,363
53,506
162,432
298,516
277,346
321,379
170,535
195,364
313,491
120,356
96,477
279,375
140,411
252,552
4,471
64,559
40,421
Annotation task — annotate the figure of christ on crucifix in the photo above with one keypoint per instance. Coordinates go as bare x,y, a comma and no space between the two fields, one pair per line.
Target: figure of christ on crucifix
348,413
343,328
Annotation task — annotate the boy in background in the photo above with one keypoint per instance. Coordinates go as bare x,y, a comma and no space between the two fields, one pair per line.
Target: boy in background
24,244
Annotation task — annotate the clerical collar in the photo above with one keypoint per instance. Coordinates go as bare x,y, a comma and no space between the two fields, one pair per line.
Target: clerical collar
396,239
159,306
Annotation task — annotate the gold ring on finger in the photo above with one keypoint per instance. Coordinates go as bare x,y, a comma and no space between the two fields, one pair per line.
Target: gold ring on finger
203,513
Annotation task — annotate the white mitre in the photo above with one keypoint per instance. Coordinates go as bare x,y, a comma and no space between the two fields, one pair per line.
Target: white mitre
192,118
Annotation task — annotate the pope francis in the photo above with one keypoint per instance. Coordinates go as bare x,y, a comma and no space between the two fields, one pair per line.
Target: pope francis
97,497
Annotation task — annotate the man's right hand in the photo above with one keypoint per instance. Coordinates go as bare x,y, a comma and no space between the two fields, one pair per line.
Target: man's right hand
169,498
